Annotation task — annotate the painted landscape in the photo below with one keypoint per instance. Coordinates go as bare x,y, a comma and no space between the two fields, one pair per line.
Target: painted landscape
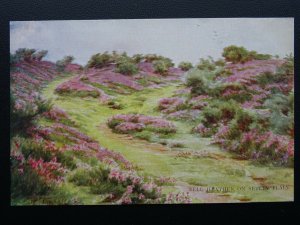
141,129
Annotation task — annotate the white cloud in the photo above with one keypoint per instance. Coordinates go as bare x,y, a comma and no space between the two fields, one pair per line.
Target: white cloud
179,39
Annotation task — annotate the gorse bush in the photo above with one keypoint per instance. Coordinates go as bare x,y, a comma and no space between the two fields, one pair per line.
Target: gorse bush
99,60
160,67
282,113
219,111
137,58
126,67
153,57
202,82
206,64
237,54
185,66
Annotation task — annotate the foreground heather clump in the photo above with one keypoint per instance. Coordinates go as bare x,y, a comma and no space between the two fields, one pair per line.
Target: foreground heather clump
131,123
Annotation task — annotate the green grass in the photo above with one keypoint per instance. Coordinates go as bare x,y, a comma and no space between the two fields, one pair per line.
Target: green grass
155,159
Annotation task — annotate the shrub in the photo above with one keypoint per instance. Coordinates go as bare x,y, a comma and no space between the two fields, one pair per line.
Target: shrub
61,64
185,66
26,182
24,54
126,67
22,115
282,117
153,57
97,179
39,55
160,67
240,54
206,64
264,147
235,54
99,60
113,122
137,58
144,135
33,177
115,105
199,81
262,56
287,69
13,59
220,63
34,149
211,115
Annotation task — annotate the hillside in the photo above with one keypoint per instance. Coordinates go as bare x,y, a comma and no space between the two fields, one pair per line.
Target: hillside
132,130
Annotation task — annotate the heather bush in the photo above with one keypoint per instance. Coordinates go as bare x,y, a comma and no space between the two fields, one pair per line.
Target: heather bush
185,66
26,182
220,112
30,177
22,115
97,180
89,177
34,149
113,122
132,123
258,145
169,105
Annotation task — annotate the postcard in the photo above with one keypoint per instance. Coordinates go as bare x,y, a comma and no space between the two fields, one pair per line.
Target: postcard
152,111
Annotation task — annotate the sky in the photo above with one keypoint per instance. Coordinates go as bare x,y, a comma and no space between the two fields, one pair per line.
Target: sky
178,39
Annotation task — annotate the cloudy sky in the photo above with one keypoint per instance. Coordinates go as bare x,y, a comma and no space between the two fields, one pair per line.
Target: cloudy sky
179,39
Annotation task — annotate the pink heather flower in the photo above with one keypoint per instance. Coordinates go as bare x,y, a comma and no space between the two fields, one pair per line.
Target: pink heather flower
129,189
126,200
141,196
290,148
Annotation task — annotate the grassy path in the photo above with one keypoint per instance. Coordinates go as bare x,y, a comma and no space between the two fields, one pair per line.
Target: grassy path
215,168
